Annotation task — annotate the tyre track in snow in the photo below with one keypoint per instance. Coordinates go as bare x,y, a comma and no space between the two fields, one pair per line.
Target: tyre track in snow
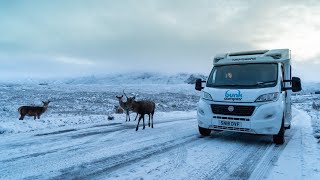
111,163
244,155
212,172
73,134
148,145
271,156
252,160
120,126
107,165
248,156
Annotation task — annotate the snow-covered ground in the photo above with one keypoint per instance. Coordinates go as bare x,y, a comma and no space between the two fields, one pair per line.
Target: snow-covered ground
306,102
74,139
300,159
74,105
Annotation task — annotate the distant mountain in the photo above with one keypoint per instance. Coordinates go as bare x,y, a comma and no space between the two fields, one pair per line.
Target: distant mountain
310,87
137,78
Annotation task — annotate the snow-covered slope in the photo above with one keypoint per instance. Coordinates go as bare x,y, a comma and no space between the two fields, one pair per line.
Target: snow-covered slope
137,78
134,78
79,104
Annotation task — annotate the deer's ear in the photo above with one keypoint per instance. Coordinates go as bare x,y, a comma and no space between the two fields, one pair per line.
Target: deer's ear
134,97
43,102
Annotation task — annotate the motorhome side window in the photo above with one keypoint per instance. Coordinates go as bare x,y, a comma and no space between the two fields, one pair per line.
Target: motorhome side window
244,76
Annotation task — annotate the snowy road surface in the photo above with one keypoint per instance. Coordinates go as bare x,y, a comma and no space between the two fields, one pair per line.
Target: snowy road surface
172,150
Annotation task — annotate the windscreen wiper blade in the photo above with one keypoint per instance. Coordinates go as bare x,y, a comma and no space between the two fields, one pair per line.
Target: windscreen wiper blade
266,82
228,85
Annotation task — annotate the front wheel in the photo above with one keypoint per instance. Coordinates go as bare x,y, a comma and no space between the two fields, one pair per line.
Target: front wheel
204,131
279,138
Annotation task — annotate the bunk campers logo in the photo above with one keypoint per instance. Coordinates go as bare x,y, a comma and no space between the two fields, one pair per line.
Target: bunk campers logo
233,95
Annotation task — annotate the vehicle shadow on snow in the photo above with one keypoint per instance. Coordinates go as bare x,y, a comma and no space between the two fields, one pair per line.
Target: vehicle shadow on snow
236,137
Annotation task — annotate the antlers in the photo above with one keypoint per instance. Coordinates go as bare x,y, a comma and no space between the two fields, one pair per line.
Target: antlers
125,94
134,97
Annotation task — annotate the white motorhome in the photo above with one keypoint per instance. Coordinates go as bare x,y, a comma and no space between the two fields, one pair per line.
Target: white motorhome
248,92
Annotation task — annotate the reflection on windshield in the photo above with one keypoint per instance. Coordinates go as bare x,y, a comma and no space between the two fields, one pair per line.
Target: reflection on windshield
244,75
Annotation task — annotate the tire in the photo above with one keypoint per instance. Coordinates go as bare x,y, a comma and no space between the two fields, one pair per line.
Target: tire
204,131
279,138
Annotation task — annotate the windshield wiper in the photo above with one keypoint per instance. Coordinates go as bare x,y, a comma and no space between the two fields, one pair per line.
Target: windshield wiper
245,85
267,82
228,85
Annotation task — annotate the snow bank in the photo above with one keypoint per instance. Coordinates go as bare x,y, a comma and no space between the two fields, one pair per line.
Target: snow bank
310,103
300,158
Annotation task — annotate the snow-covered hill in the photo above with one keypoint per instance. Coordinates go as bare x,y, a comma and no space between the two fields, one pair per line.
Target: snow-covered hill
134,78
137,78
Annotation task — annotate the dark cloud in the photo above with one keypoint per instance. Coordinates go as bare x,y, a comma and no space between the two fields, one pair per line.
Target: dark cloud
167,36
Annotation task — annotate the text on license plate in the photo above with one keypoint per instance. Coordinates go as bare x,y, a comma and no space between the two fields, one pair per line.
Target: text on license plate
230,123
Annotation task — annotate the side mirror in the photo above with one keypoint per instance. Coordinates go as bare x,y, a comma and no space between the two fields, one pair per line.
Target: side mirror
199,86
296,84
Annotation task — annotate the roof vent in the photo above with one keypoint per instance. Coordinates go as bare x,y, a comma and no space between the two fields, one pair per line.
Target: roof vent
275,56
217,59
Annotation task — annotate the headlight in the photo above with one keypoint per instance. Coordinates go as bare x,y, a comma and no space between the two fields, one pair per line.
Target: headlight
268,97
206,96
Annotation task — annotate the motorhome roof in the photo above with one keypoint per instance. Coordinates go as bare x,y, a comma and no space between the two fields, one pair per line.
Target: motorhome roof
259,56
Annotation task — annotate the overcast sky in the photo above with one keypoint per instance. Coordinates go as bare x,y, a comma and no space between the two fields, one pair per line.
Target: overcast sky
64,38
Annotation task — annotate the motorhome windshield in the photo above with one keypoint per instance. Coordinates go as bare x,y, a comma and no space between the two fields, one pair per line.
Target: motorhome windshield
243,76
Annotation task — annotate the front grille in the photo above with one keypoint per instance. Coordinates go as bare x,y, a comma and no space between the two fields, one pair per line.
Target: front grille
237,110
231,128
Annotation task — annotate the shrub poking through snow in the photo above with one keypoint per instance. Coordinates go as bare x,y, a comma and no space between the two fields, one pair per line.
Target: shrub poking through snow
118,110
315,106
110,117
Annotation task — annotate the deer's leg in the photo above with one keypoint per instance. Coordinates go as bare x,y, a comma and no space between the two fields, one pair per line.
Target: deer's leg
128,113
38,116
138,123
152,119
149,120
136,117
35,117
21,117
144,126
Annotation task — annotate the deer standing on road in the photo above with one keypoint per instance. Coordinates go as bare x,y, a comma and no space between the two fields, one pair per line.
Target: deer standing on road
142,108
125,107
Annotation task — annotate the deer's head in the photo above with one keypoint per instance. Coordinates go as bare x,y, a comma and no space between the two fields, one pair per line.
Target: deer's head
46,103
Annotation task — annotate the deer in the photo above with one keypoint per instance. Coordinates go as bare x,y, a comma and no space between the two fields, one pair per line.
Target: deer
142,108
35,111
124,106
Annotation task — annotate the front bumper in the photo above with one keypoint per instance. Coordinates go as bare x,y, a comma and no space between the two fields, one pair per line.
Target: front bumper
266,118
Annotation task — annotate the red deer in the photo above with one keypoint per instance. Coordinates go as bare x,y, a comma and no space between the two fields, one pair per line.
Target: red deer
142,108
35,111
124,106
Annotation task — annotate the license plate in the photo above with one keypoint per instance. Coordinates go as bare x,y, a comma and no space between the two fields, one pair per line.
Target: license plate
230,123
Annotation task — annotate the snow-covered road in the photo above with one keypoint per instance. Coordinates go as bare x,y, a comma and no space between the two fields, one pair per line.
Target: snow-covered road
172,150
